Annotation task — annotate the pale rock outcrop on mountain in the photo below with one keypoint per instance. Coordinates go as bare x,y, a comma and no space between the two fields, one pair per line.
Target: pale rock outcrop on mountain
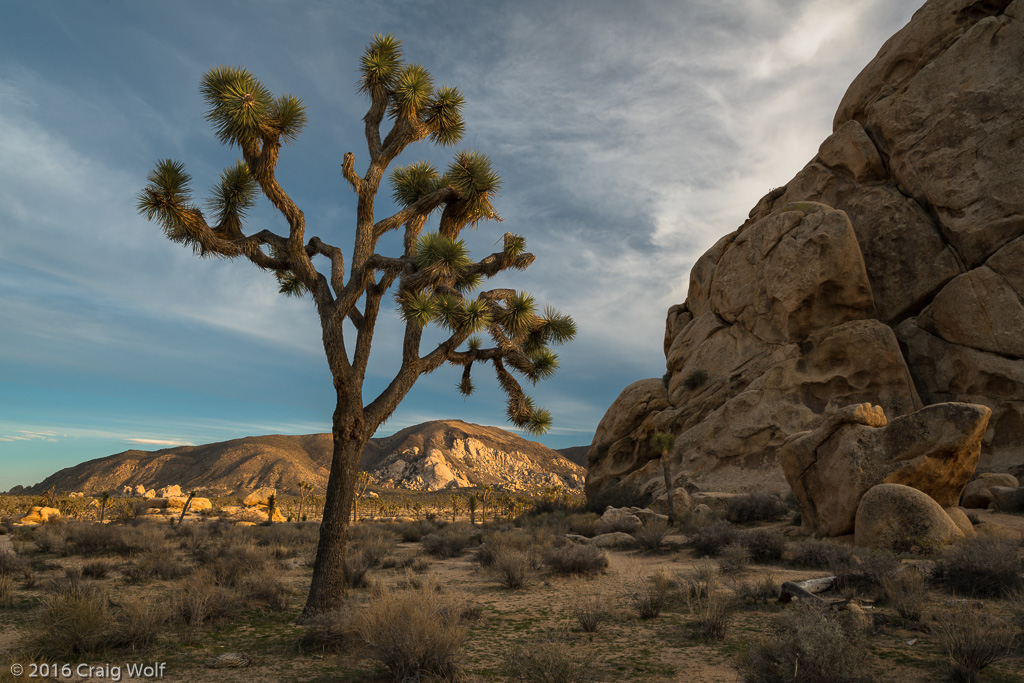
452,454
890,270
934,450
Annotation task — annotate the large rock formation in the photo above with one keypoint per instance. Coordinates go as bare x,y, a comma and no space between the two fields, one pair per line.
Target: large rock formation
934,450
890,270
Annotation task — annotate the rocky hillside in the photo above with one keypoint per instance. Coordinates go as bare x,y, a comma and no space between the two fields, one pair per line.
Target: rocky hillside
428,456
889,271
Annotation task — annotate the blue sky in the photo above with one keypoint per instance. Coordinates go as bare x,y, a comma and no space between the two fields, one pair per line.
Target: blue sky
630,136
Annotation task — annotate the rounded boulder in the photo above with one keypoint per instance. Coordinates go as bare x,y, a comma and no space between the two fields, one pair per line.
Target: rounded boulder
901,518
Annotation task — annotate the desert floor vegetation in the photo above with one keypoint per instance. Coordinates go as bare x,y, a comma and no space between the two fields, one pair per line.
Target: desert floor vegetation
512,599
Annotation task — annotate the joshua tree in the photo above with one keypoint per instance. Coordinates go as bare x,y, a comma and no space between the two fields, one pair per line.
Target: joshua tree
184,508
358,491
471,504
104,499
484,495
433,278
664,442
457,503
271,505
304,489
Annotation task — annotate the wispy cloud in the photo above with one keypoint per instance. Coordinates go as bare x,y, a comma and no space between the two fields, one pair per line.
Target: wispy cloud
160,442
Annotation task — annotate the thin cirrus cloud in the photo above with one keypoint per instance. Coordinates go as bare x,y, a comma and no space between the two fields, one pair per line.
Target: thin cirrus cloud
630,138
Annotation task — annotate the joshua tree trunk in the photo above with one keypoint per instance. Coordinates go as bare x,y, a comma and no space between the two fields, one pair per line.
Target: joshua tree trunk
328,584
184,509
670,504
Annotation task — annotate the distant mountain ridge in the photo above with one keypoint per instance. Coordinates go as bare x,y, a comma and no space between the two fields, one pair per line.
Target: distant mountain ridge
428,456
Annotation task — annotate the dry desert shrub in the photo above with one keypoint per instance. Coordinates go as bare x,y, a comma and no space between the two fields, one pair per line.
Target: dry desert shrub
413,532
808,644
980,567
906,591
97,569
330,632
764,545
94,539
820,553
1016,602
712,539
413,633
514,567
204,602
6,590
357,565
584,523
649,595
264,590
51,539
734,558
138,622
500,541
590,610
74,620
755,507
154,565
577,559
11,564
651,536
762,590
548,659
972,639
450,541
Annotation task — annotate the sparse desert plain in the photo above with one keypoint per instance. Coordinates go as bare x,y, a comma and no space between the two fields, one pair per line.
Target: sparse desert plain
528,598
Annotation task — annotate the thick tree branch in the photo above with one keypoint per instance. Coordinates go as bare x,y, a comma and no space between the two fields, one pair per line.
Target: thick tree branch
348,171
421,208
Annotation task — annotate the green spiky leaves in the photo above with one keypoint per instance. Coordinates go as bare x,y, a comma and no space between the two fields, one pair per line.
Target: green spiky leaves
521,412
413,91
235,194
412,183
518,317
244,112
442,258
380,64
471,175
444,116
663,442
418,308
166,199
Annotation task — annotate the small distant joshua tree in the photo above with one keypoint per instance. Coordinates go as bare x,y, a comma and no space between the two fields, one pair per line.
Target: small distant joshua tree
664,442
184,509
362,481
271,506
472,508
104,498
433,279
457,503
484,495
304,490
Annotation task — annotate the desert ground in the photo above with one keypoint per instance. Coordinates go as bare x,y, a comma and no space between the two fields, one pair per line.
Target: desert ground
524,599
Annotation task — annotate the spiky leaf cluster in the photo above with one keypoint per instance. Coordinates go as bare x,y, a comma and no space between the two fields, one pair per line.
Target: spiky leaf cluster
235,194
412,183
408,91
243,111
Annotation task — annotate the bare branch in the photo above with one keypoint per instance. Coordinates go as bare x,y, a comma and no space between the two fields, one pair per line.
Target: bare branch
348,171
423,207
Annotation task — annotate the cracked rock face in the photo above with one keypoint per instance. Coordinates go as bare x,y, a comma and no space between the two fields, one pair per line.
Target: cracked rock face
934,450
890,270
